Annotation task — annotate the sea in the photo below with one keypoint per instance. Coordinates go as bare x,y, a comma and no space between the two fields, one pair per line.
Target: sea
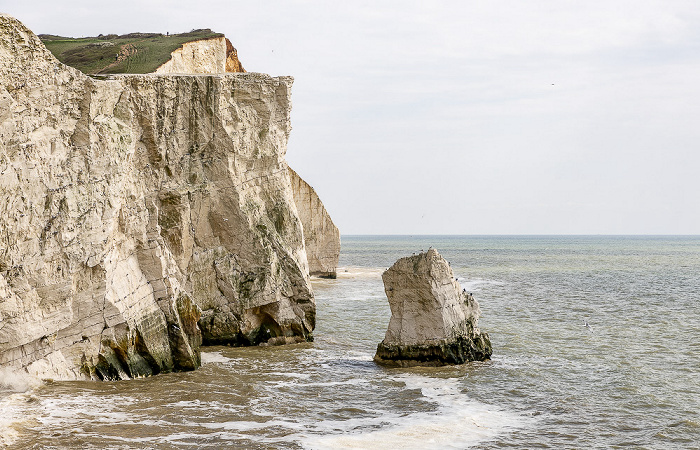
596,344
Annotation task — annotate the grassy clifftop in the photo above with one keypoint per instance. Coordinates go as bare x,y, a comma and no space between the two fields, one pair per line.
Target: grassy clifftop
128,53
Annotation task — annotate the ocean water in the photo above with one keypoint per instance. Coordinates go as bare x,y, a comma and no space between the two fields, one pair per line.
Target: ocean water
629,379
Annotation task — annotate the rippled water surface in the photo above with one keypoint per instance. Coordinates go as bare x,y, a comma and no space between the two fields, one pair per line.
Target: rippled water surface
632,378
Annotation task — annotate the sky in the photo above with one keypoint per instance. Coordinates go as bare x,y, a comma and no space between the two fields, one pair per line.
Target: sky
465,117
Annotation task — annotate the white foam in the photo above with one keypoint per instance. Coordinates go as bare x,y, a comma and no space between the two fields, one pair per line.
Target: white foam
458,422
352,382
17,381
10,417
360,272
214,357
76,408
19,385
295,383
360,358
303,376
475,284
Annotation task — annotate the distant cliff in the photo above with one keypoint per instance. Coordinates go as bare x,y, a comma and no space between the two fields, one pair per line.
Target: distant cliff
141,216
199,51
321,236
214,55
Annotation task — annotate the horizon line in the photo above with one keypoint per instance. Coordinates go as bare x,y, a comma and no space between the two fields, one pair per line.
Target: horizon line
522,235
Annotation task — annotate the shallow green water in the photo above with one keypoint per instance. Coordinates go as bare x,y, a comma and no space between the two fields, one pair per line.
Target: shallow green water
629,379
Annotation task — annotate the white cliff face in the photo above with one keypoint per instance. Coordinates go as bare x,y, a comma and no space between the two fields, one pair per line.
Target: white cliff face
141,215
433,322
321,236
215,55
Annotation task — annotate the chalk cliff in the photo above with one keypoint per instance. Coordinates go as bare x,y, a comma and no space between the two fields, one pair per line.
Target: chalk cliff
433,322
215,55
141,215
321,236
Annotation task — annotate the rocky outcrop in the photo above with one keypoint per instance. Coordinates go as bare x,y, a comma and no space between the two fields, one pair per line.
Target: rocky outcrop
433,322
142,215
215,55
321,236
233,64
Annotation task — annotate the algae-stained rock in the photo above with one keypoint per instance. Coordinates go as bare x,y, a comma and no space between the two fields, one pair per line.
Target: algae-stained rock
141,216
321,236
433,321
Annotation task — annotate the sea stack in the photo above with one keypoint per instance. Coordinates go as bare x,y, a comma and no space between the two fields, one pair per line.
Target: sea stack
433,321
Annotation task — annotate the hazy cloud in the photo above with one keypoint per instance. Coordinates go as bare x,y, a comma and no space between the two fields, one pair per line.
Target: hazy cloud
466,116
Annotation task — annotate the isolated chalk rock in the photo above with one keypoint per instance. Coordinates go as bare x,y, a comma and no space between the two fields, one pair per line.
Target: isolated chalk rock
433,321
321,236
142,215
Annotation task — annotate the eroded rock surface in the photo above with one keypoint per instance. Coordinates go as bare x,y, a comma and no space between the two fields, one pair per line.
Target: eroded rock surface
214,55
433,321
321,236
142,215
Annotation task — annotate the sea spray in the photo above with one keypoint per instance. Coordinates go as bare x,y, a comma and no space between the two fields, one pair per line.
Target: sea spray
16,390
16,381
457,422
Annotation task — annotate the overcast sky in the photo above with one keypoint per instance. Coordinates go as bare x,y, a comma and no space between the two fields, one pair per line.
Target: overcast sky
465,117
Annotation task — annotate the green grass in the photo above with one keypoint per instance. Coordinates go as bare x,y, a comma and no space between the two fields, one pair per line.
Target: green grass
95,55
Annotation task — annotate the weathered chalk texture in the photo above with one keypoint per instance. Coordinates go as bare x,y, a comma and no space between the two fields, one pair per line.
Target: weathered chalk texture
433,321
141,215
213,55
321,236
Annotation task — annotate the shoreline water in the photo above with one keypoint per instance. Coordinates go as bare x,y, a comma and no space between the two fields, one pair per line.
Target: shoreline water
625,381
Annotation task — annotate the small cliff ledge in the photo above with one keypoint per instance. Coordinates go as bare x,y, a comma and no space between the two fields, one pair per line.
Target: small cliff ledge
321,236
141,216
433,322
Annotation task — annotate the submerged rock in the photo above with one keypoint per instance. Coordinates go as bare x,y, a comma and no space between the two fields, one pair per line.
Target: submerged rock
433,321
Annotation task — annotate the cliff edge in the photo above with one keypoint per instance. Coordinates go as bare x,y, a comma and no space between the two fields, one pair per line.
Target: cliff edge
214,55
198,51
141,216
